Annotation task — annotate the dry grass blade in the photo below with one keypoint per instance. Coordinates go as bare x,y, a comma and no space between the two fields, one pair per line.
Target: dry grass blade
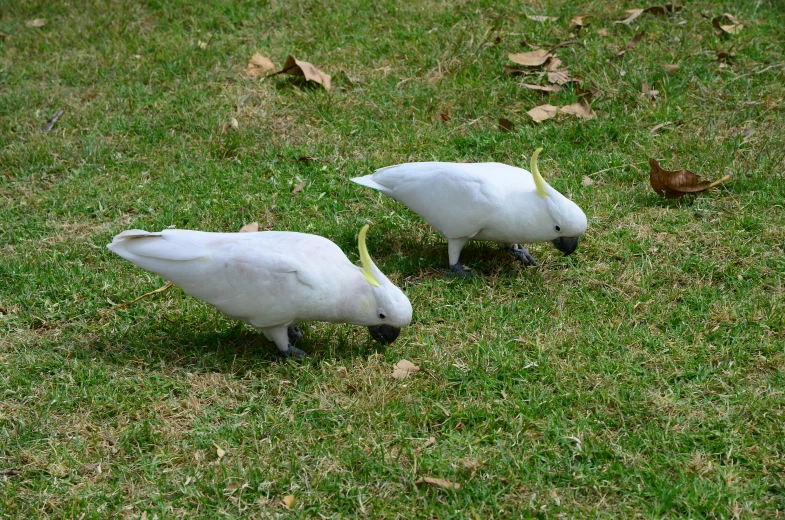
437,482
542,19
543,88
165,287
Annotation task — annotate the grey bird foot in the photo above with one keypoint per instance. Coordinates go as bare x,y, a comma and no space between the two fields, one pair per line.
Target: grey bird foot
291,353
457,270
295,335
522,254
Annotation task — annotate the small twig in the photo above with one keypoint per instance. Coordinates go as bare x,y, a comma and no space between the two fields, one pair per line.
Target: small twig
50,123
159,290
617,167
719,181
10,472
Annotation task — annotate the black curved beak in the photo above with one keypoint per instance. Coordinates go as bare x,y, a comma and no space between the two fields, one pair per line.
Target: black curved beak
384,334
566,244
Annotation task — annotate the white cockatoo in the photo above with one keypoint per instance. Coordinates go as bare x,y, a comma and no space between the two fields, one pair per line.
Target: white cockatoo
273,280
484,201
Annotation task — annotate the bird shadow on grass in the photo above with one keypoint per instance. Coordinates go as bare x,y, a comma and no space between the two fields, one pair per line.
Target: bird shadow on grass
236,349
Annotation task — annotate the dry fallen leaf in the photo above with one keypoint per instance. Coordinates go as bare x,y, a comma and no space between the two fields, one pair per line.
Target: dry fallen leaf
726,56
559,77
220,452
675,184
602,31
635,39
655,9
554,63
530,59
259,66
404,368
253,227
296,67
298,188
430,442
233,124
732,28
580,20
505,125
514,70
580,109
543,88
649,93
633,14
586,181
437,482
542,19
288,501
671,68
202,45
543,112
38,22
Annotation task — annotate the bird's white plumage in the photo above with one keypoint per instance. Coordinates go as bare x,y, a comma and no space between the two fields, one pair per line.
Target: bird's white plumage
269,280
479,201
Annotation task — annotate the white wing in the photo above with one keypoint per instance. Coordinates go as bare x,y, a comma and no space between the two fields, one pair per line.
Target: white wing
457,199
264,279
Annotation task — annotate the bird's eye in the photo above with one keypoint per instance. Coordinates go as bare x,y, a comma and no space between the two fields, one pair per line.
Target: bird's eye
382,316
558,228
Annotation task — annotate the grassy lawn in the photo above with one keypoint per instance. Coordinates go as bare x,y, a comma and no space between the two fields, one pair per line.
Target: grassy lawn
641,376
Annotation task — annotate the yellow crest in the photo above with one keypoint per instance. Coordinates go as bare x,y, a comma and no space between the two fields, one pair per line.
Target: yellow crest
365,258
538,180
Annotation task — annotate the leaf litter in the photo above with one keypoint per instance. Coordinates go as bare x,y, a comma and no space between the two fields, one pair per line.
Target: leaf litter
675,184
296,67
404,368
259,66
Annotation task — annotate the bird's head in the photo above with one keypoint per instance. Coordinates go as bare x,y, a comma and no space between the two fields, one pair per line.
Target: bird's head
568,221
389,309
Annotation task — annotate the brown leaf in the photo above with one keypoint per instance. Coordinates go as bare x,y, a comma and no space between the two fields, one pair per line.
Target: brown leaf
559,77
580,20
253,227
587,181
648,93
404,368
505,125
672,8
296,67
298,188
219,451
635,39
430,442
50,123
580,109
674,184
3,36
514,70
554,63
259,66
542,19
446,113
602,31
543,88
231,125
37,22
730,28
288,501
543,112
726,56
438,482
633,14
671,68
531,58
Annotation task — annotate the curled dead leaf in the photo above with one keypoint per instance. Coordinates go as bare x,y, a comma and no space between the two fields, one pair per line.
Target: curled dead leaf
580,20
560,77
635,39
542,19
543,112
430,442
253,227
219,451
404,368
36,22
543,88
530,59
731,25
586,181
505,125
675,184
288,501
514,70
659,10
602,31
438,482
259,66
297,67
671,68
580,109
297,189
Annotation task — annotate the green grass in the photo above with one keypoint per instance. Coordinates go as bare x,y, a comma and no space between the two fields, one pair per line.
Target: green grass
641,376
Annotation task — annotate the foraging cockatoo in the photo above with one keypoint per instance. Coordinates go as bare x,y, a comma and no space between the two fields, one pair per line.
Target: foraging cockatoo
484,201
273,280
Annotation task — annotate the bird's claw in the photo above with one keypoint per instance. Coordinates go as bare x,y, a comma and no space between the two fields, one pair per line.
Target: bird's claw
291,353
522,254
295,335
457,270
